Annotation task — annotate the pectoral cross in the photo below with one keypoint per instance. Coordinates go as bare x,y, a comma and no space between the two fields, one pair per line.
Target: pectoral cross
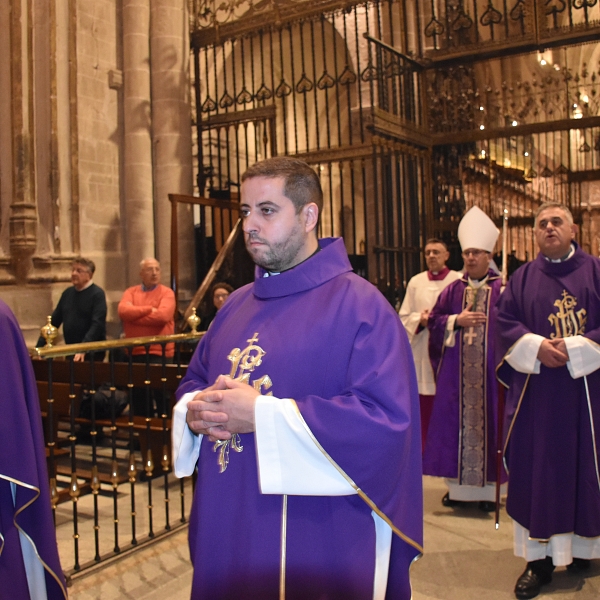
470,336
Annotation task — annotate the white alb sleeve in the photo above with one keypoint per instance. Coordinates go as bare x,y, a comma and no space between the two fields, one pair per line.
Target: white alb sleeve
584,356
289,459
450,334
185,444
410,318
411,323
522,356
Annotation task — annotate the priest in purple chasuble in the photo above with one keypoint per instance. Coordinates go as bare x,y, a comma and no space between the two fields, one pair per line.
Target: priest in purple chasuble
29,562
461,443
306,434
549,355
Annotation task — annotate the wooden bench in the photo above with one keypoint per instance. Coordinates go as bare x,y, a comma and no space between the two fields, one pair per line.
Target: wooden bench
153,434
62,399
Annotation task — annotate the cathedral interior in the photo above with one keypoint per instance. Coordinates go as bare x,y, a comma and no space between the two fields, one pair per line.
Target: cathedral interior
125,127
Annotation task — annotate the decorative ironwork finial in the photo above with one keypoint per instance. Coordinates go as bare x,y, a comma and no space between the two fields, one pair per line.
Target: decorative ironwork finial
194,320
49,332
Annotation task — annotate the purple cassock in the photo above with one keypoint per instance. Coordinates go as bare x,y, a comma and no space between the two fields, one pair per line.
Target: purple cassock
26,527
551,451
327,339
462,437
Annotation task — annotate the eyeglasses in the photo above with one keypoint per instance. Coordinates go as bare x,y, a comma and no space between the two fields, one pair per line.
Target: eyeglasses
473,253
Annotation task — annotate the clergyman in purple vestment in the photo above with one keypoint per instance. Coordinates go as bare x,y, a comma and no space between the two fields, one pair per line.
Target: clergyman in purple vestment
29,563
549,354
306,436
461,443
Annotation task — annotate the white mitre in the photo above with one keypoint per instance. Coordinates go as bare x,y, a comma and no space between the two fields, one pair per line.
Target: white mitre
477,230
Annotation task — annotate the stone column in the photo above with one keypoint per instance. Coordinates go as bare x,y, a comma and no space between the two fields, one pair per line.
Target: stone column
172,134
23,214
6,160
137,126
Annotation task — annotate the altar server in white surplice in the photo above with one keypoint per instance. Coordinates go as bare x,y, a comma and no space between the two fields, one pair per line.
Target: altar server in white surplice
421,293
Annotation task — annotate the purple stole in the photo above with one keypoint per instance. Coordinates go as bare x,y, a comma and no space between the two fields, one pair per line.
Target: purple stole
461,442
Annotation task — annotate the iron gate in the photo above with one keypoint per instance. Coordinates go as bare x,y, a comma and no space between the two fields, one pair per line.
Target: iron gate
411,111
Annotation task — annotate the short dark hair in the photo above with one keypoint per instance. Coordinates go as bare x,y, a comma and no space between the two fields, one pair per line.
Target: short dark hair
86,262
302,185
547,205
220,285
436,241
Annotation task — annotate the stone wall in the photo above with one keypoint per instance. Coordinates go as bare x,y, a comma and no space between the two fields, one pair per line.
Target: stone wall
68,179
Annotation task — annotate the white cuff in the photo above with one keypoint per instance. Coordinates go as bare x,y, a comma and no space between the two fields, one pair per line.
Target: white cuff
450,335
522,356
185,446
289,460
584,356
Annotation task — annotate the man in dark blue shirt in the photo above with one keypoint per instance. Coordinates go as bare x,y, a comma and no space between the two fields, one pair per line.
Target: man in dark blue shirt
81,309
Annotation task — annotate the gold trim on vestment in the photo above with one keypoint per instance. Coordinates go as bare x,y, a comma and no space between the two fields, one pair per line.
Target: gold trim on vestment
472,462
21,530
593,431
506,385
579,323
283,557
512,422
437,373
465,278
360,492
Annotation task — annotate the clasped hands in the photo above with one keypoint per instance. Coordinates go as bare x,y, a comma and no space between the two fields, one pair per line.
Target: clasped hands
553,353
222,409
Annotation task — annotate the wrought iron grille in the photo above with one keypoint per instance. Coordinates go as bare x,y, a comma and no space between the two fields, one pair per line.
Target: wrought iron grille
541,87
411,110
332,89
462,27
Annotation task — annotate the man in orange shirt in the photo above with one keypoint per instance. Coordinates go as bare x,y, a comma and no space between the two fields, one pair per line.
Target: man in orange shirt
149,309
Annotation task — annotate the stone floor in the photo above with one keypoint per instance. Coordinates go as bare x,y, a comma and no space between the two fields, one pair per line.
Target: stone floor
465,558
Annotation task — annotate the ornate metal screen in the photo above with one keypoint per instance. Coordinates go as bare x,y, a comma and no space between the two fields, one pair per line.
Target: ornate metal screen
411,110
328,87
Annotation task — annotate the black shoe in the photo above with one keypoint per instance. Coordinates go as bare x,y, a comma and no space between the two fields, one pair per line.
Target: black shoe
487,506
579,564
450,503
537,574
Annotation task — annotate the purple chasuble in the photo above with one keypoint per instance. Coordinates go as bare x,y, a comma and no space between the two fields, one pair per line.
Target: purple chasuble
552,431
326,338
23,463
462,438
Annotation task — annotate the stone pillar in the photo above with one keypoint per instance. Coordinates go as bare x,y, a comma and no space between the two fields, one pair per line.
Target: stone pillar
172,135
6,182
137,125
23,214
